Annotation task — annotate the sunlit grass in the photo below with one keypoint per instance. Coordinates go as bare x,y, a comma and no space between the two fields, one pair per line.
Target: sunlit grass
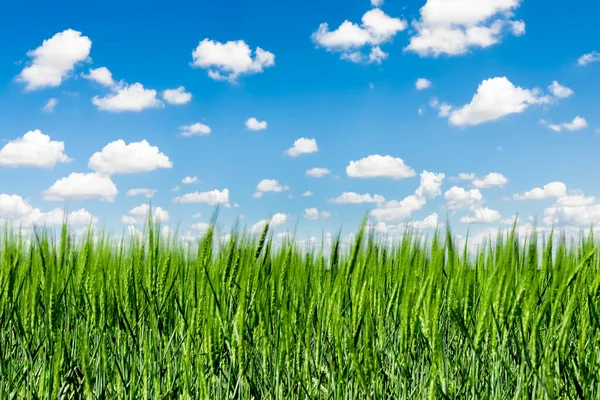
149,317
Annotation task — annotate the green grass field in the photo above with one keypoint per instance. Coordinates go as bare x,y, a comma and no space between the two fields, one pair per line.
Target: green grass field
152,318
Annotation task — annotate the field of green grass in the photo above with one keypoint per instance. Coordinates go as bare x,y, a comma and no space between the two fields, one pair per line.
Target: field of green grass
152,318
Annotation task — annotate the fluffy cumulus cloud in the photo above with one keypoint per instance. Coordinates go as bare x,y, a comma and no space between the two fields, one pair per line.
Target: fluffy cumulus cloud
149,193
394,210
177,96
573,211
349,39
559,90
189,180
12,205
577,124
82,186
357,198
125,97
490,180
481,216
212,198
318,172
429,222
314,214
589,58
101,75
57,216
459,198
55,59
308,193
423,84
453,27
549,191
120,158
34,149
377,166
50,104
255,125
274,222
269,185
302,146
227,61
196,129
496,98
16,208
139,215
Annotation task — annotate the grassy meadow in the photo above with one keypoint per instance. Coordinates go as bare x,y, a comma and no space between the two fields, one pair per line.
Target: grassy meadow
152,318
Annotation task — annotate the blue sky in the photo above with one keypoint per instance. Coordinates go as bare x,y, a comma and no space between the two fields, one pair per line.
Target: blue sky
349,86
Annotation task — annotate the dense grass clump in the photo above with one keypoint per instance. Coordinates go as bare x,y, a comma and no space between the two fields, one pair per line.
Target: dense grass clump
151,318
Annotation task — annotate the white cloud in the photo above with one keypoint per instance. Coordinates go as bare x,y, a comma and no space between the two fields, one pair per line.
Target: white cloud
197,215
255,125
197,129
495,98
467,176
318,172
149,193
356,198
422,84
376,166
491,179
559,90
517,28
55,59
453,27
79,186
269,185
50,104
139,215
394,210
574,211
177,96
550,190
212,198
482,216
189,180
57,216
12,205
429,222
314,214
227,61
34,149
577,124
308,193
589,58
101,75
120,158
201,227
376,3
459,198
125,97
275,221
349,38
302,146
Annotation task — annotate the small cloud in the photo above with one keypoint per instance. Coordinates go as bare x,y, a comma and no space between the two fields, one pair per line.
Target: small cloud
308,193
318,172
423,84
588,58
50,104
189,180
177,96
255,125
197,129
302,146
